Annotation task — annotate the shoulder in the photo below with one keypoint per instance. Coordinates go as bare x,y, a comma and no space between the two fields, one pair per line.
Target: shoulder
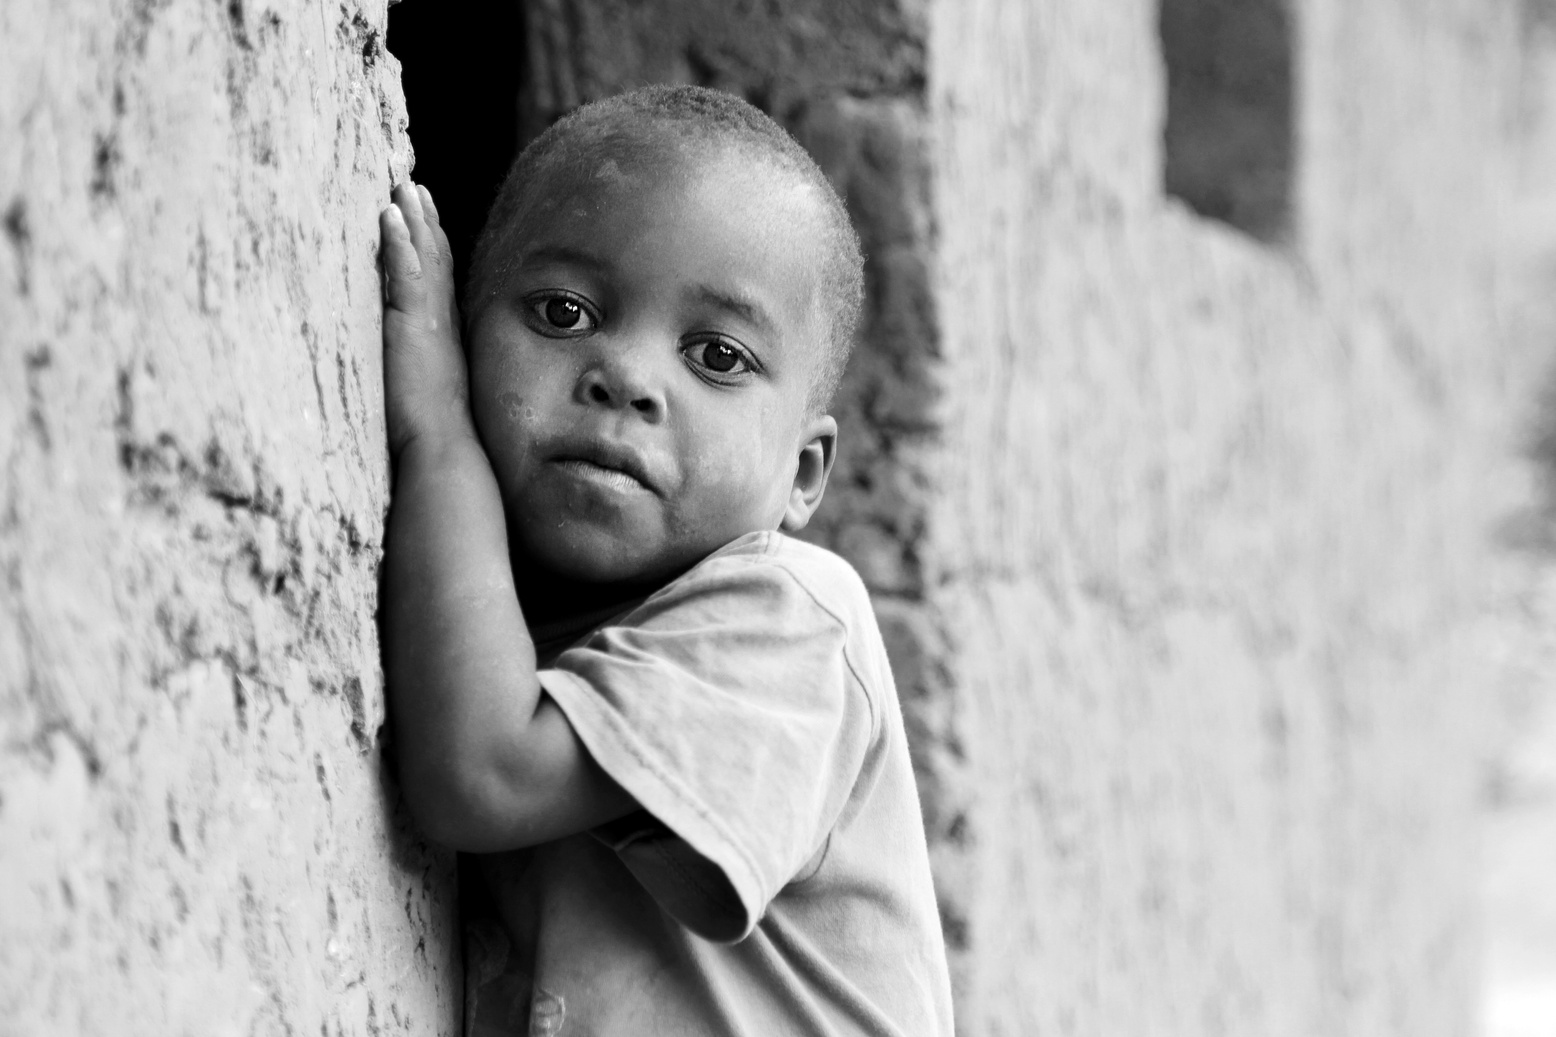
775,559
773,580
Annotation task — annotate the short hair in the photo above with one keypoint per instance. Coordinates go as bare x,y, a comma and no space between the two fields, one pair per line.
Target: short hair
703,114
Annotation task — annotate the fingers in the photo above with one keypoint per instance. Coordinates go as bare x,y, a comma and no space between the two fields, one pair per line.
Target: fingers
431,211
404,287
444,252
421,216
412,221
434,228
408,200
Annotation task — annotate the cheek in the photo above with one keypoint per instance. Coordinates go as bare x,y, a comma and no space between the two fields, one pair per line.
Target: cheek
518,413
716,468
506,411
742,468
510,390
515,432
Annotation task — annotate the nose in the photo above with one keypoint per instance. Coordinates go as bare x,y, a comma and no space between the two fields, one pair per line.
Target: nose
620,380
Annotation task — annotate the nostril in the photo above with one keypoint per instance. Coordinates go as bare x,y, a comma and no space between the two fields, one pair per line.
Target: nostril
643,405
598,394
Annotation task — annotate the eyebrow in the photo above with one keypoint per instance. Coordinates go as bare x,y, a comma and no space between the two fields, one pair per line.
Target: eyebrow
562,254
740,304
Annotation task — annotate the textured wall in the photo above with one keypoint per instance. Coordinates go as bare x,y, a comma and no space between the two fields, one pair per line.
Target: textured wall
1519,898
1174,536
1209,523
197,832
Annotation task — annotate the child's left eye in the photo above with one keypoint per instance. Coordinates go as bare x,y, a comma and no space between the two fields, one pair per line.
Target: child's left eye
717,358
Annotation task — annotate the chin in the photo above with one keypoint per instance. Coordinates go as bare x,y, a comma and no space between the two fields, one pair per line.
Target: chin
576,552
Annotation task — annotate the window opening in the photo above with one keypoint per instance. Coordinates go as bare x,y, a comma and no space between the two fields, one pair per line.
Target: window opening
1229,136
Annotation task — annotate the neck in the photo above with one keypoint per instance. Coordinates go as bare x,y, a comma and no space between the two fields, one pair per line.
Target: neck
549,598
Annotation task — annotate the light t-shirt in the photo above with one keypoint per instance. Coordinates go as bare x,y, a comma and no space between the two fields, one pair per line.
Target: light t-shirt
776,880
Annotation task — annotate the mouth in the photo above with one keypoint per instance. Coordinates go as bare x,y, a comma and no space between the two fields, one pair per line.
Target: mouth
616,467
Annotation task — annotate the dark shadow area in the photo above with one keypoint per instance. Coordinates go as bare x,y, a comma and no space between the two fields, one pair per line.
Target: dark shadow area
1229,134
463,66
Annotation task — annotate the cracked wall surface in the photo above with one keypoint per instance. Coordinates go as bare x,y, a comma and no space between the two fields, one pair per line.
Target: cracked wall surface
198,832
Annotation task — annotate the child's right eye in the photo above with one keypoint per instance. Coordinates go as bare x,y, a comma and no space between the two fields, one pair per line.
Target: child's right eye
560,314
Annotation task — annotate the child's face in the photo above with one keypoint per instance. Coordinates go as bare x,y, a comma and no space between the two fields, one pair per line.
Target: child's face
640,380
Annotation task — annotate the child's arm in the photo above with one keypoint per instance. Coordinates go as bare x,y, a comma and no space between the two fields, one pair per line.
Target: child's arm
486,761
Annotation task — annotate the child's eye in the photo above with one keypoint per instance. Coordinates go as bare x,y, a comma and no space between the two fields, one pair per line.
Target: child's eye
718,359
560,314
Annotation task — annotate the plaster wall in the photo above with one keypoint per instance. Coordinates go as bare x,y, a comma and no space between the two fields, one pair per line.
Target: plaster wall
1176,537
1519,901
197,828
1210,529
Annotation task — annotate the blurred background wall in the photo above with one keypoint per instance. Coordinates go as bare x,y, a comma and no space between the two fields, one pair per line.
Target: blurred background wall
1225,534
1520,791
1187,453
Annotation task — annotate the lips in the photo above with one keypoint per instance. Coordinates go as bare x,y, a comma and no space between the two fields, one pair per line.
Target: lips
614,464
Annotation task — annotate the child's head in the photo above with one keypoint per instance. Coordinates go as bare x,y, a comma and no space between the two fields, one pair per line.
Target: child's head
659,309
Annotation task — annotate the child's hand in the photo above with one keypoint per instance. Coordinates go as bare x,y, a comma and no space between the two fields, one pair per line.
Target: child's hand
425,390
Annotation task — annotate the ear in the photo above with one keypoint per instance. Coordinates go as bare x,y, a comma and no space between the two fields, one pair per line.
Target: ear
810,476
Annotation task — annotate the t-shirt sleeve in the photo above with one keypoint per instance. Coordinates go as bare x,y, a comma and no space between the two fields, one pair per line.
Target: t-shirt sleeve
727,706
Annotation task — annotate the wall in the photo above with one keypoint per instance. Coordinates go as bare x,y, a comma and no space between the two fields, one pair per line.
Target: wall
198,834
1211,528
1177,536
1519,901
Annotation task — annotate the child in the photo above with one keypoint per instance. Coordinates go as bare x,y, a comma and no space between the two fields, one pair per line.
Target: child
601,650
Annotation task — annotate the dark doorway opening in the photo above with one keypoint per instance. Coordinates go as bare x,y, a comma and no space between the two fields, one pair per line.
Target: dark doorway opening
463,67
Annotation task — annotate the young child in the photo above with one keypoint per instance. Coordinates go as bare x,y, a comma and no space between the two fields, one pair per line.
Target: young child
602,651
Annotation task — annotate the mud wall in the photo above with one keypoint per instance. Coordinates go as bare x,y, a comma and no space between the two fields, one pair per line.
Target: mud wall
1174,528
197,831
1211,521
1520,793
